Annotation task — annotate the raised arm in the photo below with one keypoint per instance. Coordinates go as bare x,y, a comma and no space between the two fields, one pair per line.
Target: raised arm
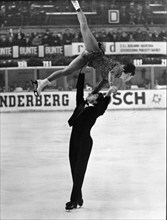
103,104
112,89
80,89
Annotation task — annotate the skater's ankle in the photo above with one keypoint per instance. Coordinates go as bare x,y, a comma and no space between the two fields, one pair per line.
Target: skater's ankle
46,82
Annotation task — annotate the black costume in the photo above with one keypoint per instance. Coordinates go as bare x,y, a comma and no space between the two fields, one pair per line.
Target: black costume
82,120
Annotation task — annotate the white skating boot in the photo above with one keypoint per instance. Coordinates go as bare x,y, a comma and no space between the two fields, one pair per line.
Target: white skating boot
39,85
75,4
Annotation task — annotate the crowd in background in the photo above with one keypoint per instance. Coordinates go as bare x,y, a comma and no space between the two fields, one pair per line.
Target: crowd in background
40,12
138,14
48,38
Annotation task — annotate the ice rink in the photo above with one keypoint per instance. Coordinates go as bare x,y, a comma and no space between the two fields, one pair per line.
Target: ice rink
126,175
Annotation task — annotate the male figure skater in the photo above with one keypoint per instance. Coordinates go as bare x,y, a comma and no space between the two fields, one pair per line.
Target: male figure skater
93,56
82,120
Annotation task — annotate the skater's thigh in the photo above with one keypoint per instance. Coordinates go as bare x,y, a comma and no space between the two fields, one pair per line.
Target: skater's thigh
90,41
75,65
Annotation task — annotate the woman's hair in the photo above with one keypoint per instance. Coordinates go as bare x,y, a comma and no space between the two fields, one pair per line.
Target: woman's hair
129,68
101,46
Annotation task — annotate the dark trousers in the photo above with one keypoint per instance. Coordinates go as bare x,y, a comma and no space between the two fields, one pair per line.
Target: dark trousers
79,153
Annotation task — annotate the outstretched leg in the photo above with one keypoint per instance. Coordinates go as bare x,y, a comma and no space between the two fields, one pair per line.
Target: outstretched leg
90,45
75,65
89,40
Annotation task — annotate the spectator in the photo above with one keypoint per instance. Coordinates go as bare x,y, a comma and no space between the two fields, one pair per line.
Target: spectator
2,89
66,6
98,36
156,84
20,41
84,6
137,35
47,38
24,13
4,41
11,42
124,37
147,84
57,8
163,35
104,36
148,16
28,41
149,37
14,86
156,37
57,39
114,37
123,15
101,10
3,20
119,34
143,36
19,37
33,14
67,37
139,19
101,7
93,6
163,77
112,5
11,33
110,35
76,38
11,12
27,87
132,13
131,38
37,40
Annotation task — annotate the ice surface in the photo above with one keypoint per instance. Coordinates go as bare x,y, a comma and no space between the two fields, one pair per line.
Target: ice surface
125,178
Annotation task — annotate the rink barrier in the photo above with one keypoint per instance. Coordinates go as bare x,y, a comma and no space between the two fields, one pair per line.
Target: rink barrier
66,100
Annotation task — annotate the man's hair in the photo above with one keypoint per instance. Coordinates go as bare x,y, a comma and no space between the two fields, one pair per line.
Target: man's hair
100,96
129,68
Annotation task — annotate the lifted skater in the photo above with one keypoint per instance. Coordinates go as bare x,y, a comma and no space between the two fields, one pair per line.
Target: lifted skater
93,56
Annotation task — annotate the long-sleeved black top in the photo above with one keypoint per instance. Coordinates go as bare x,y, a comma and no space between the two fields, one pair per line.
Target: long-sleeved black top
84,117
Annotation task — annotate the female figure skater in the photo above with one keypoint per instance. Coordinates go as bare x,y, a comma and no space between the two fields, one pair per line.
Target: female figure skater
93,56
82,120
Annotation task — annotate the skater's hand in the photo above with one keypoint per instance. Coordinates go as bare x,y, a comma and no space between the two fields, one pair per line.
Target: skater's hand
112,89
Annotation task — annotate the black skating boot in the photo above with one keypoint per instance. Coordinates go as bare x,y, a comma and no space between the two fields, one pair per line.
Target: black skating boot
71,205
80,202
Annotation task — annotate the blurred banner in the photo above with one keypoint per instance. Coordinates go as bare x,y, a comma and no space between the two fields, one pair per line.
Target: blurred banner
65,100
26,52
127,48
76,48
